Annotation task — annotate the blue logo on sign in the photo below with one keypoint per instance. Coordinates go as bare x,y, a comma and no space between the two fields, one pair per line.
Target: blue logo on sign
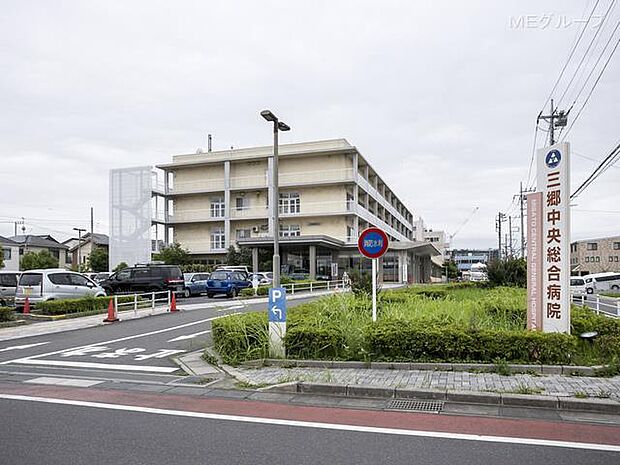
553,158
277,305
373,243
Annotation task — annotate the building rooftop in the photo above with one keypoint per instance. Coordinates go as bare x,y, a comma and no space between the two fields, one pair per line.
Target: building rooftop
7,241
38,241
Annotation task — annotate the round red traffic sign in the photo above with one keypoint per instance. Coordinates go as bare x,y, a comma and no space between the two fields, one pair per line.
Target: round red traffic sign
373,242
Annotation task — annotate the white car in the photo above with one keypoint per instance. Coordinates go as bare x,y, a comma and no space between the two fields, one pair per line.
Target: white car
54,284
597,282
262,277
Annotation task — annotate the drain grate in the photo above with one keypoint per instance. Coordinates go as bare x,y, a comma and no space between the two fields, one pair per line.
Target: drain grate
416,405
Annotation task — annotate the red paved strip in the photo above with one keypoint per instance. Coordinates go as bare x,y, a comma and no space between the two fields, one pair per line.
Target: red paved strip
534,429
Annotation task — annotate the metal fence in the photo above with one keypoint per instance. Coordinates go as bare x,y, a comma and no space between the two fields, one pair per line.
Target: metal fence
313,286
601,305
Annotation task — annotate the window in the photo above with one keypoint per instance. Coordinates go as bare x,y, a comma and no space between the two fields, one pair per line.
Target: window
141,273
587,259
611,259
55,253
217,207
592,246
616,245
241,203
6,253
598,259
79,280
123,275
30,279
290,202
242,233
290,230
8,280
63,279
350,233
615,258
218,239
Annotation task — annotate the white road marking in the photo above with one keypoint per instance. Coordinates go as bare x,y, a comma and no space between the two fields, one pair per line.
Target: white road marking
64,381
135,336
189,336
318,425
101,366
223,309
26,346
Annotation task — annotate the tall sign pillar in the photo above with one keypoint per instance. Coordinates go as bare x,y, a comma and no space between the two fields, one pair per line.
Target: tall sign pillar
553,173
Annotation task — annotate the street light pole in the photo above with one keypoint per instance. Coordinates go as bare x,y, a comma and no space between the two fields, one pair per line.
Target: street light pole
275,198
79,230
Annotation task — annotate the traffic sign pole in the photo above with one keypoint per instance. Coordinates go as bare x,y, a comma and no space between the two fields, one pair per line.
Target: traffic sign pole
373,243
374,289
276,309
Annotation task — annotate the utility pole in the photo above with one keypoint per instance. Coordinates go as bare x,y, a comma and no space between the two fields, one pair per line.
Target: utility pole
80,231
92,224
501,217
556,119
510,236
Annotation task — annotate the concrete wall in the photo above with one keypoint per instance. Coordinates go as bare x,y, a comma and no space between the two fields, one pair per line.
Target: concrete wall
11,264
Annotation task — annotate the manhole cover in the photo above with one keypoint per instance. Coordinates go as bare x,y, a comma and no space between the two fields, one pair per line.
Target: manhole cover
416,405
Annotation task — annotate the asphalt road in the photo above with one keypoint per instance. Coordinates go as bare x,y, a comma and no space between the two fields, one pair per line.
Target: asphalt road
605,304
85,435
137,349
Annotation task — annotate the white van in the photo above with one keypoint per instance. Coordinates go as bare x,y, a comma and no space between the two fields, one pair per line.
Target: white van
54,284
598,282
577,284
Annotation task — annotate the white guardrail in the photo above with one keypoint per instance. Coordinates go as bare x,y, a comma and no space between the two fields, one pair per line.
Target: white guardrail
601,305
150,300
316,286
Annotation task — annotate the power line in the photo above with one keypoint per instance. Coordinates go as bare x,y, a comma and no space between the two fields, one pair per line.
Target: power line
596,34
600,169
592,90
591,159
570,54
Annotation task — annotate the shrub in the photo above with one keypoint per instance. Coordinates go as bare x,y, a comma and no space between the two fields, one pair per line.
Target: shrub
241,337
6,313
361,282
38,260
120,266
82,305
249,291
408,341
308,341
584,320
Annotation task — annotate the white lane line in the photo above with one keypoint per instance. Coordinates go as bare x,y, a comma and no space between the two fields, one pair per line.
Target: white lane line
25,346
189,336
318,425
223,309
101,366
135,336
64,381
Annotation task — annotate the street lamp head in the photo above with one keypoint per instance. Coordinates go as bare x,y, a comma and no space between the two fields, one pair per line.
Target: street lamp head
268,115
283,127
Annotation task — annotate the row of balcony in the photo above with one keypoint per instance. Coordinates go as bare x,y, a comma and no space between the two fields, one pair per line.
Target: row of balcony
260,181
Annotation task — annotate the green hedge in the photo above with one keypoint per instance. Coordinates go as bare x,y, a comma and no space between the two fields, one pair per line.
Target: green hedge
408,341
241,337
84,304
6,313
249,291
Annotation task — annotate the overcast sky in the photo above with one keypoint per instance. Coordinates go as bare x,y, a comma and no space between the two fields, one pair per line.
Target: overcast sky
441,97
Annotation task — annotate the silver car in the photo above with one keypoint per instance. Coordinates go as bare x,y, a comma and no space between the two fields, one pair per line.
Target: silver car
54,284
8,285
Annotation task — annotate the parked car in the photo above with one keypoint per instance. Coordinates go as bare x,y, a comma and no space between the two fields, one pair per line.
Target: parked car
54,284
227,282
8,286
577,284
145,278
102,276
244,269
195,284
263,278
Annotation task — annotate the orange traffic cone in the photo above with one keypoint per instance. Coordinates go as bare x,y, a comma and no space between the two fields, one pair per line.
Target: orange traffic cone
173,303
27,306
111,313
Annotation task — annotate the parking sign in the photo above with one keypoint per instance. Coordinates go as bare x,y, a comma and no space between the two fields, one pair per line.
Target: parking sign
277,305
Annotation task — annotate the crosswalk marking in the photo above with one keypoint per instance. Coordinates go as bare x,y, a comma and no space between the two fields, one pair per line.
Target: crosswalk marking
64,381
100,366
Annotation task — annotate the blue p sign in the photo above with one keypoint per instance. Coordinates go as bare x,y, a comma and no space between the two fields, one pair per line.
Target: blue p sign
277,304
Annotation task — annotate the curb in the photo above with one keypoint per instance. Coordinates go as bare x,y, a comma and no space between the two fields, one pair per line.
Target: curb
469,397
571,370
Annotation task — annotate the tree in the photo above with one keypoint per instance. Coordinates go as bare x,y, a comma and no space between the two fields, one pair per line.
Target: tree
509,272
98,260
38,260
120,266
452,269
236,257
173,255
1,257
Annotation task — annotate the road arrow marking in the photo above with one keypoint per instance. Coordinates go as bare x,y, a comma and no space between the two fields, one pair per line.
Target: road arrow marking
26,346
189,336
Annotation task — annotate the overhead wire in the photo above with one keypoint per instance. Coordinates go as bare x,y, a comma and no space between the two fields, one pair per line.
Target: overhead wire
600,169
